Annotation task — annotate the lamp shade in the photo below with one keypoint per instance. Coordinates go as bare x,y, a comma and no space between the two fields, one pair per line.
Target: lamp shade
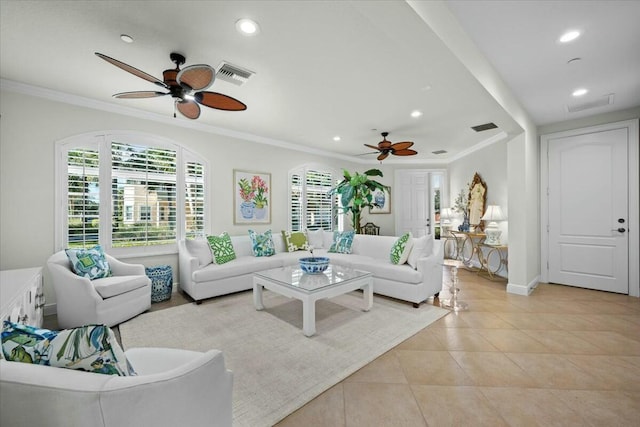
493,213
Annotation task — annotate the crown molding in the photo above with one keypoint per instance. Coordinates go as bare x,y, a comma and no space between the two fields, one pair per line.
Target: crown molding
66,98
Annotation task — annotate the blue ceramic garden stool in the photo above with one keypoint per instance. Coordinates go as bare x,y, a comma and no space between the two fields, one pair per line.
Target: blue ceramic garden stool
161,282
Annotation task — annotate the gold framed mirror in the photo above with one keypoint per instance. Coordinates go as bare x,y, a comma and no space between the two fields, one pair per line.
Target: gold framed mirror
477,201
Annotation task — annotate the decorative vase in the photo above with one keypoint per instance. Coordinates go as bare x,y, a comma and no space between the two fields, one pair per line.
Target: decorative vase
260,213
246,210
465,224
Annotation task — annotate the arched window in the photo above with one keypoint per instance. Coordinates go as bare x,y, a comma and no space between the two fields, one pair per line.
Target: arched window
310,205
131,193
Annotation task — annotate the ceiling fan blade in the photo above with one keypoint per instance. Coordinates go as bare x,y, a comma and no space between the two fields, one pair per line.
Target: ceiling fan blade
383,156
219,101
401,145
372,146
139,94
196,77
404,152
132,70
189,109
365,154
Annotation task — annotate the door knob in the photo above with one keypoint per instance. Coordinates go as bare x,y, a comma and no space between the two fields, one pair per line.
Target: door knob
620,230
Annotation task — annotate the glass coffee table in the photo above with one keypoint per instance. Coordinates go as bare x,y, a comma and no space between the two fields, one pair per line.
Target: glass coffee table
293,283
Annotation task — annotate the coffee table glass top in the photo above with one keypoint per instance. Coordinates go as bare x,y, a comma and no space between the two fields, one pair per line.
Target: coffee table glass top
293,277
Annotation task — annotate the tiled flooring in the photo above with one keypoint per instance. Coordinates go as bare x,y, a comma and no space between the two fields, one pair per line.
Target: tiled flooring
562,356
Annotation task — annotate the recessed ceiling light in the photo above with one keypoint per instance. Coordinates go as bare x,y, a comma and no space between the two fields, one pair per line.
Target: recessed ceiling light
569,35
247,27
336,138
126,38
579,92
416,113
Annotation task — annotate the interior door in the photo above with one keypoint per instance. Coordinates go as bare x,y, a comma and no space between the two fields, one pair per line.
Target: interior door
589,210
413,201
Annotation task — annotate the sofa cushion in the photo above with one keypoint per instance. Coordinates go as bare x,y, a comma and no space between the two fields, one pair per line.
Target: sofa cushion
116,285
316,238
384,269
222,248
240,266
262,244
89,263
422,247
91,348
200,249
295,240
342,242
401,249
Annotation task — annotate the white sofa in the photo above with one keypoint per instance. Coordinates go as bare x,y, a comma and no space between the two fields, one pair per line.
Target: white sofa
173,387
200,278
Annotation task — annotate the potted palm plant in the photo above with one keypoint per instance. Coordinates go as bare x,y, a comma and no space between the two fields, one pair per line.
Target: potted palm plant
356,193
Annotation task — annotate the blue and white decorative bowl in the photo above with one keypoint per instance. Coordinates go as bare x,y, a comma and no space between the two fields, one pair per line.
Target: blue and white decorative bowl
314,265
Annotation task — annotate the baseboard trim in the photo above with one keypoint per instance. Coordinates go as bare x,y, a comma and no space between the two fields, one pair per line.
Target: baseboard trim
512,288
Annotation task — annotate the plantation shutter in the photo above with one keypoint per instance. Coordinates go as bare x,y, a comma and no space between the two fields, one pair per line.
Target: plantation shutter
194,200
319,205
295,197
83,198
143,195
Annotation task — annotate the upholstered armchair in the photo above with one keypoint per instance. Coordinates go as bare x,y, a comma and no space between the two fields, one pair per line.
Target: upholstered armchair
173,387
109,301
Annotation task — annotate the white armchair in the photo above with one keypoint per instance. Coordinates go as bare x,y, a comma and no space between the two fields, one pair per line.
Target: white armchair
108,301
173,387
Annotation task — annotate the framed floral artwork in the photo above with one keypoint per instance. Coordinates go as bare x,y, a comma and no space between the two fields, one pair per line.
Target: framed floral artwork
251,197
382,200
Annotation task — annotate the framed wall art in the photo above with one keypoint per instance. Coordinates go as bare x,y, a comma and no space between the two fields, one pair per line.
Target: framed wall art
383,201
251,197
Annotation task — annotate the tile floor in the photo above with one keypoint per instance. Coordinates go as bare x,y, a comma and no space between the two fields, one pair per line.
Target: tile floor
562,356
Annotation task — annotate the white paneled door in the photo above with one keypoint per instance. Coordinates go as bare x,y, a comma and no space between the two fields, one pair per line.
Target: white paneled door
588,212
412,203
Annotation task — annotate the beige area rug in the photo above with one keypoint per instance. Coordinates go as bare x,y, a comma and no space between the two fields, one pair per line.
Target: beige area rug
276,368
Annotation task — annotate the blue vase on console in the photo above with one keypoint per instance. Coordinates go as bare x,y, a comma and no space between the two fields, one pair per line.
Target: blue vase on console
465,223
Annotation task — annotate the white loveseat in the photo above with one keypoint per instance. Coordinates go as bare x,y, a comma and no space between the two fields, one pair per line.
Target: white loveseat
200,278
173,387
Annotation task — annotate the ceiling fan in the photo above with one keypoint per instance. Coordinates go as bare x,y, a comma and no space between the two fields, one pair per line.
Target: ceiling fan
397,149
185,87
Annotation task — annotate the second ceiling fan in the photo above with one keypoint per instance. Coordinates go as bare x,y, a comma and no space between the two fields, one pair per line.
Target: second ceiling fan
387,147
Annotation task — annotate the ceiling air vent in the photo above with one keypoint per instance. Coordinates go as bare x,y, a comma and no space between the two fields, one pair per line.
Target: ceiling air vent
439,151
233,73
600,102
485,126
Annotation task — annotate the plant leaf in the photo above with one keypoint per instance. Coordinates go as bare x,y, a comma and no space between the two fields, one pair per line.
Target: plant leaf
373,172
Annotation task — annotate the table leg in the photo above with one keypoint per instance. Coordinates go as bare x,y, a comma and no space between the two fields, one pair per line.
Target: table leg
257,295
367,295
308,317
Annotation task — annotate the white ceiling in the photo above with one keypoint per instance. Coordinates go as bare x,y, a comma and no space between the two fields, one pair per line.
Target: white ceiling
323,68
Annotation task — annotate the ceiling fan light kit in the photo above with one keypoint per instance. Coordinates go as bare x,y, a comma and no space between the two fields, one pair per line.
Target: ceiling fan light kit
185,86
386,147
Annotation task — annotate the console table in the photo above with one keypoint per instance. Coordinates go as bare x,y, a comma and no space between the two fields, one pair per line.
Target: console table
464,245
22,296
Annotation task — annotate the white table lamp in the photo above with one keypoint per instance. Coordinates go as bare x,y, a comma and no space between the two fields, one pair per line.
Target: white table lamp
446,215
493,214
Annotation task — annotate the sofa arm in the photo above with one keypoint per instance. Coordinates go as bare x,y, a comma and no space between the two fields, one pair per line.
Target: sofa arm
187,264
431,268
119,268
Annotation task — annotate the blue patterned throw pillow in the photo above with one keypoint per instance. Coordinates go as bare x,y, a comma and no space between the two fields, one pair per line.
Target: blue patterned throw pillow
89,263
222,248
342,242
262,244
91,348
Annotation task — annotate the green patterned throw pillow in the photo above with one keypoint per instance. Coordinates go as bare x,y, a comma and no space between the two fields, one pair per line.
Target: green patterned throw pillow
295,240
89,263
401,248
262,244
222,248
342,242
91,348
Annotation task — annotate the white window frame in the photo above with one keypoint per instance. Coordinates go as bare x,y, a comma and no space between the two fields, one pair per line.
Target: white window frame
302,170
100,141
